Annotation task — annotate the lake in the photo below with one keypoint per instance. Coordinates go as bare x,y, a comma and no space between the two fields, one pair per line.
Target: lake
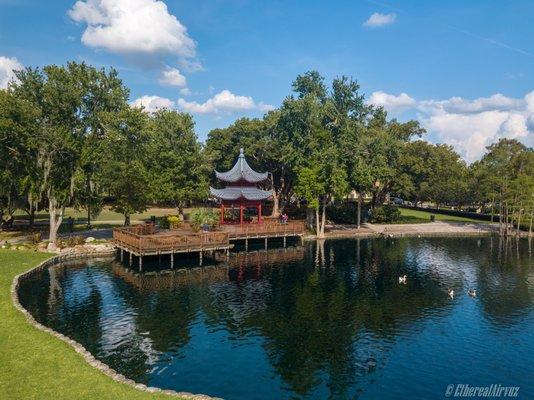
328,320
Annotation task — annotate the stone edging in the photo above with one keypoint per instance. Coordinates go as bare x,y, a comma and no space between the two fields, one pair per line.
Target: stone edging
89,358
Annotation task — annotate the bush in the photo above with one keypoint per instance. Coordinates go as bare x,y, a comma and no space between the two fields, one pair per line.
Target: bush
385,214
70,241
170,222
201,217
343,213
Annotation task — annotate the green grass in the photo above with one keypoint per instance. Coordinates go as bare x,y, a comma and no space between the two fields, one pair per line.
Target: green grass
410,216
105,217
36,365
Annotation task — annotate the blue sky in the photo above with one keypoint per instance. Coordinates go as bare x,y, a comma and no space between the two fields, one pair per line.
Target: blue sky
463,68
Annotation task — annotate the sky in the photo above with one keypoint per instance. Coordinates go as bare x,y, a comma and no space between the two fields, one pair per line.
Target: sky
464,69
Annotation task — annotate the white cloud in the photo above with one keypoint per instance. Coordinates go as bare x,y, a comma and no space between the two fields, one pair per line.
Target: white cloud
378,19
7,66
223,102
391,102
133,28
185,92
468,125
463,106
153,103
172,77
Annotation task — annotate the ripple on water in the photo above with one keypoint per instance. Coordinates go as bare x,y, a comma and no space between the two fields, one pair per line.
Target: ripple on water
331,321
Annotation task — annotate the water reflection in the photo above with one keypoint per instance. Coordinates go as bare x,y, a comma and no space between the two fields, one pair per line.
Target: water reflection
328,320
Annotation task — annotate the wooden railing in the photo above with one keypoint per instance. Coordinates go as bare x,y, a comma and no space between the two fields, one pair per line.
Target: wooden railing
143,239
268,227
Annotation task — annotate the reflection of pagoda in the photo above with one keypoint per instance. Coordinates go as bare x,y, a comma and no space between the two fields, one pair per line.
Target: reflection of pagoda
241,189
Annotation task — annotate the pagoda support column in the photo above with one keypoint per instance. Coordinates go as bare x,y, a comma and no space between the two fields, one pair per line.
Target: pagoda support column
241,214
259,213
222,213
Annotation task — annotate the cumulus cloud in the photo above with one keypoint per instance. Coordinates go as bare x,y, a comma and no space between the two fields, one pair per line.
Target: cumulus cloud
391,102
153,103
468,125
7,66
223,102
133,28
172,77
377,19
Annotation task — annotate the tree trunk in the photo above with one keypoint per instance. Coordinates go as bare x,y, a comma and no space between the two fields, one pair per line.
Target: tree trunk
359,212
317,222
276,205
323,221
89,216
530,225
56,217
519,214
492,205
309,217
126,219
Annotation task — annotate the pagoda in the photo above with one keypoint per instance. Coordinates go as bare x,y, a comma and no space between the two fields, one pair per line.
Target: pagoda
241,188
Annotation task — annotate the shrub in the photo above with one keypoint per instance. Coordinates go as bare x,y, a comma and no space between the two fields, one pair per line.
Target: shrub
70,241
385,214
170,222
200,217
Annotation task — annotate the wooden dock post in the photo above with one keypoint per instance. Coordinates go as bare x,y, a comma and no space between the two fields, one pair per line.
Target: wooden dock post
265,243
140,263
122,254
246,244
172,260
284,241
131,258
200,258
227,255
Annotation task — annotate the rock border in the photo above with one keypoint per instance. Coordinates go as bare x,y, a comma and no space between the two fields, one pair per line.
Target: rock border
89,358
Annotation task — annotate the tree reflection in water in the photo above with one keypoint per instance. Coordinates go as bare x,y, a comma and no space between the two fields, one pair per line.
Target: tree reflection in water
326,317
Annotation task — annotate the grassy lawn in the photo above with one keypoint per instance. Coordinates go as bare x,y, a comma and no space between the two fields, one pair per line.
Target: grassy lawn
410,216
35,365
106,217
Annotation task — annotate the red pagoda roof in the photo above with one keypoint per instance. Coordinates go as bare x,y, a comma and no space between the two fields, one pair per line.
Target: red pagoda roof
241,171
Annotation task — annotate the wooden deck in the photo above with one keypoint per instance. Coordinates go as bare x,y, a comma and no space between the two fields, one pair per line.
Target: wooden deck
146,240
267,229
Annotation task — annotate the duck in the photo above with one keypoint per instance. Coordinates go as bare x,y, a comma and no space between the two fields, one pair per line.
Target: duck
402,279
472,293
451,293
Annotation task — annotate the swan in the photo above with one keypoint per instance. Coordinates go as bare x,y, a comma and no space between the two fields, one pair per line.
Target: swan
402,279
451,293
472,293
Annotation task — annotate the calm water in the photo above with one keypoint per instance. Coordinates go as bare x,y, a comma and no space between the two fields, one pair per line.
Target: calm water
316,322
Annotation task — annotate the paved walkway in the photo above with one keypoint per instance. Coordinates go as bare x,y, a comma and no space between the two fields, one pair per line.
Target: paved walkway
425,229
434,228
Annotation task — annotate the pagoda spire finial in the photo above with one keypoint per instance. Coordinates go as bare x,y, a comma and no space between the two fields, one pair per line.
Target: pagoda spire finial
241,152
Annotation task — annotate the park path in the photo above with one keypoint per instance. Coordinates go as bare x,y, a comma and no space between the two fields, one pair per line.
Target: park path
434,228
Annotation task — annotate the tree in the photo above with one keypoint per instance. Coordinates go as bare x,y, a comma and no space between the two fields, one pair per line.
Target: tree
69,101
17,126
125,173
178,167
510,165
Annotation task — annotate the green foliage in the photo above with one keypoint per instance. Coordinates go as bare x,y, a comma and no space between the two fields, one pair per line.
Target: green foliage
385,214
125,173
178,169
342,213
201,217
170,222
